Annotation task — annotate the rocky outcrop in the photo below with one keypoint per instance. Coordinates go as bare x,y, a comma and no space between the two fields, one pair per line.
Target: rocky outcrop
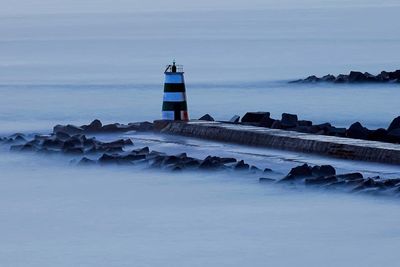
290,122
88,151
329,180
354,77
97,127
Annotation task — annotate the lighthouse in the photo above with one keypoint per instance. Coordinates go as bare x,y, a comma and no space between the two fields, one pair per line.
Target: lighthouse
174,103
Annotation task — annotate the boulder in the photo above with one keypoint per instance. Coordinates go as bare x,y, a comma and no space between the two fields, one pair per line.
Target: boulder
378,135
53,143
322,180
383,76
62,136
267,122
341,78
276,125
357,131
328,78
235,119
241,166
350,176
336,131
323,170
356,76
304,123
311,79
255,117
69,129
289,120
395,75
113,127
211,163
394,136
207,117
299,172
94,126
395,124
302,129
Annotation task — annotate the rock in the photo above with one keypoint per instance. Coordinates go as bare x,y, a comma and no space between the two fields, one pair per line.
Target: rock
394,136
378,135
395,124
328,78
107,159
133,157
69,129
302,129
321,180
112,128
94,126
190,163
350,176
265,180
312,79
18,138
73,150
255,117
254,169
267,170
304,123
62,136
370,78
289,120
206,117
323,170
395,75
143,126
53,143
357,131
341,78
142,151
235,119
336,131
383,76
298,172
391,182
117,143
211,163
227,160
241,166
322,128
276,125
356,76
266,122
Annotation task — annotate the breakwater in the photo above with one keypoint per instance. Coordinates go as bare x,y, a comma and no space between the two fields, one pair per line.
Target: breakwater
333,146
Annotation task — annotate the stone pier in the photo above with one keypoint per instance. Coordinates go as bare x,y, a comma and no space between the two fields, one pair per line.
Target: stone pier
339,147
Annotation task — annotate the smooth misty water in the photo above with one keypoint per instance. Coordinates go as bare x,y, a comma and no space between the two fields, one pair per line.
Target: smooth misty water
74,61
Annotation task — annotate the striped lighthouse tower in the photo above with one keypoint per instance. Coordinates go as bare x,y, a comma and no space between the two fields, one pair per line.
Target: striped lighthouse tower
174,103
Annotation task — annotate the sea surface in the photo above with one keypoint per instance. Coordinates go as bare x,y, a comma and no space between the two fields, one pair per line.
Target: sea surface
73,61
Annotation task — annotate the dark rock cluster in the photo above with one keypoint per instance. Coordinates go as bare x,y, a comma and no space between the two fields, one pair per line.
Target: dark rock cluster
291,122
325,177
90,151
97,127
65,140
355,77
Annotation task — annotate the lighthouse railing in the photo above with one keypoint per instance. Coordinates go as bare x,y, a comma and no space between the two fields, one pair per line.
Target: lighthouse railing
179,68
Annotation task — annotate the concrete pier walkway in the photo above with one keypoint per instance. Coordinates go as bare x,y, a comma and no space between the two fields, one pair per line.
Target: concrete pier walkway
287,140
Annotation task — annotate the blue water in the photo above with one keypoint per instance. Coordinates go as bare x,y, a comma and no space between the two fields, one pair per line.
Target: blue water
73,61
